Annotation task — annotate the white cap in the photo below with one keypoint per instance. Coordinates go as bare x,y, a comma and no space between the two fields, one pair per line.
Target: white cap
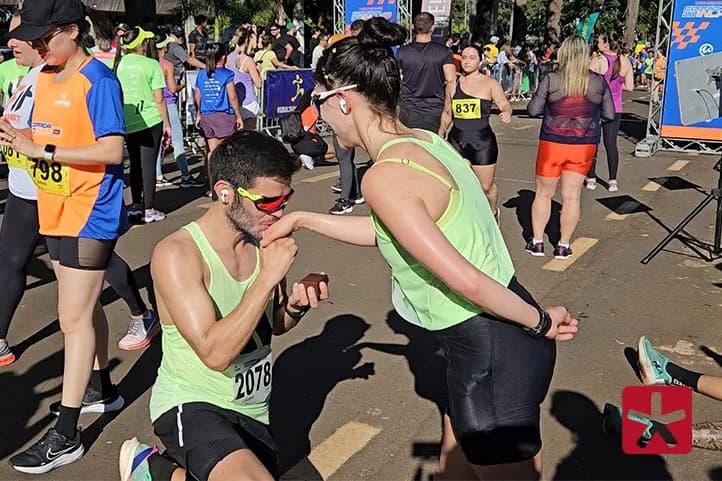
494,39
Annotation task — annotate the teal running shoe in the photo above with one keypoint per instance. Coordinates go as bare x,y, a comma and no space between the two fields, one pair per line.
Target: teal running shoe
652,364
133,461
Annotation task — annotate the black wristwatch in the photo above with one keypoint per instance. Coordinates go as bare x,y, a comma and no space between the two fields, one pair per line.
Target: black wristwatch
541,329
297,315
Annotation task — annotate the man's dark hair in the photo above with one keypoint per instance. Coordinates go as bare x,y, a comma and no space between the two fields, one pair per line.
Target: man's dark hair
200,19
423,22
248,155
357,25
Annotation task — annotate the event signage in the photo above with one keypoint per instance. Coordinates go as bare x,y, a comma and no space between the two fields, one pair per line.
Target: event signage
692,105
288,87
365,9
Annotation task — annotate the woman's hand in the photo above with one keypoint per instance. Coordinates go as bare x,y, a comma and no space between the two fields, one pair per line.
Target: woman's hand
285,226
167,136
564,327
13,138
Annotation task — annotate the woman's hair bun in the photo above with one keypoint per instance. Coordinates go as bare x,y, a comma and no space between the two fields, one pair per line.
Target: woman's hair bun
380,33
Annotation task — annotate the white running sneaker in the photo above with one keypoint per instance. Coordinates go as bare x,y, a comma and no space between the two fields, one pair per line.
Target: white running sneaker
307,161
141,331
153,216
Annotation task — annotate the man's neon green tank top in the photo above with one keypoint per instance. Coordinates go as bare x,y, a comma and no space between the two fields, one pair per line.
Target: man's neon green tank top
245,386
468,223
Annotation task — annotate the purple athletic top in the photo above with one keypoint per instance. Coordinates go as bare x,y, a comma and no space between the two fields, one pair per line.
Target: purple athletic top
615,86
167,94
239,76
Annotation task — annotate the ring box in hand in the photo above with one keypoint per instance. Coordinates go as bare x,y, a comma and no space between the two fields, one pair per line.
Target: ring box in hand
313,280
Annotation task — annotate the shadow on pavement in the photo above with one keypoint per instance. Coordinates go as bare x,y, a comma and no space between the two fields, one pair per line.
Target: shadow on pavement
715,356
23,403
598,455
522,204
633,127
428,367
715,474
28,393
423,355
303,376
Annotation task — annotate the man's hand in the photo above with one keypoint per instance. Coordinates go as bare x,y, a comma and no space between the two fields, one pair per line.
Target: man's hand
564,327
276,259
505,116
303,298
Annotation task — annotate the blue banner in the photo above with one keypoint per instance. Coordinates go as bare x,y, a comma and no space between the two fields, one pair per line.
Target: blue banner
283,90
691,73
365,9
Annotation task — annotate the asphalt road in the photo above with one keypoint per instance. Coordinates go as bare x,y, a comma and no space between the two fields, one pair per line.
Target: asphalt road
355,392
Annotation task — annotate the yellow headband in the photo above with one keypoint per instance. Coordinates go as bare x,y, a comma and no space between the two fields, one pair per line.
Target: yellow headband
142,35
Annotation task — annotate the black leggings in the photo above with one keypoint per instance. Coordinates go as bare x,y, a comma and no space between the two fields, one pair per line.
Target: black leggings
19,236
143,148
610,131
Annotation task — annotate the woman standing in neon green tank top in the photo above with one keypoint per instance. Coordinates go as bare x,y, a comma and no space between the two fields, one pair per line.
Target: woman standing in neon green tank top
451,271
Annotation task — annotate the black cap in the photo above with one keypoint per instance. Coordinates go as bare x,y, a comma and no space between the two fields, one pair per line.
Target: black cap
178,31
38,17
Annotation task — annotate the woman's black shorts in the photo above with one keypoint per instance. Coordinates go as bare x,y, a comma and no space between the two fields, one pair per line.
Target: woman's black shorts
497,377
477,146
80,252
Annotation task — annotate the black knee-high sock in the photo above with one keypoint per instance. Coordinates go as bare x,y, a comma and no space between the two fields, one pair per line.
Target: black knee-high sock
67,423
683,376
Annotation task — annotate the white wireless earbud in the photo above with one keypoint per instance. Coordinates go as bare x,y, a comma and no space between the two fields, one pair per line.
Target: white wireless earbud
224,195
343,106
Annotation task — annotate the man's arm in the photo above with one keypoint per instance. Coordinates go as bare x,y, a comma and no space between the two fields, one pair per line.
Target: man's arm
180,287
192,44
449,87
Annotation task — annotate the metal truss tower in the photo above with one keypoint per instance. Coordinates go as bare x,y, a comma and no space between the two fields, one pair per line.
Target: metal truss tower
654,141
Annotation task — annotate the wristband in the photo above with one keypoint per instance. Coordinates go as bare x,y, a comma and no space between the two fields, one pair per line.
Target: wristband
541,329
297,315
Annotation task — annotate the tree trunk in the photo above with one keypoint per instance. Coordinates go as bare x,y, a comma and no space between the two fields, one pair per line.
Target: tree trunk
140,12
630,22
554,17
485,16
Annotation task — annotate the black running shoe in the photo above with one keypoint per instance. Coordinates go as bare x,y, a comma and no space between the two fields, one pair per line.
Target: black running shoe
562,252
93,402
535,249
342,206
51,451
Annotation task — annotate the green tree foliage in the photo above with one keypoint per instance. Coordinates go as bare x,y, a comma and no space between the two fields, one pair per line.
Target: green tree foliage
610,20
